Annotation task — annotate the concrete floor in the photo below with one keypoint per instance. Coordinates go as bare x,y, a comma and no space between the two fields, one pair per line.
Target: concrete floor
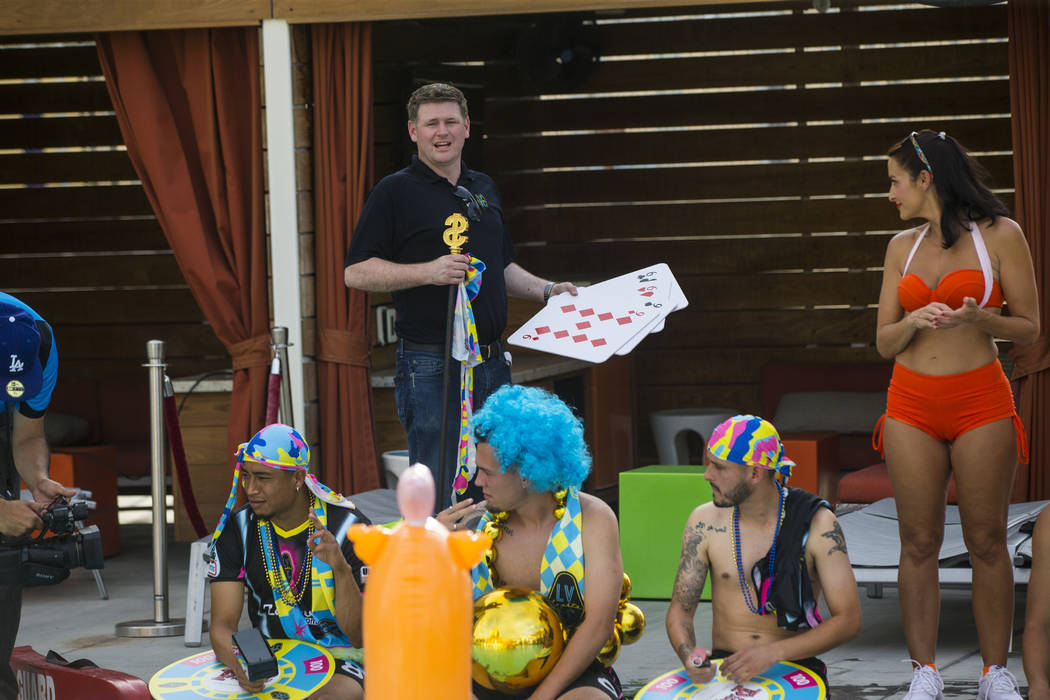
72,620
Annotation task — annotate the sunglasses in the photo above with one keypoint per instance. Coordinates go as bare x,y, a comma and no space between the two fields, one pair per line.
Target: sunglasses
473,207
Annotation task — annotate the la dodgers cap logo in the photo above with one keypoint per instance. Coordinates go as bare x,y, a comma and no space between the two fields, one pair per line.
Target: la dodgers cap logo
20,372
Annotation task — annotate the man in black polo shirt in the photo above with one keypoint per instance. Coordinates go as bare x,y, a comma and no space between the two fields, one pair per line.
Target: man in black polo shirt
398,247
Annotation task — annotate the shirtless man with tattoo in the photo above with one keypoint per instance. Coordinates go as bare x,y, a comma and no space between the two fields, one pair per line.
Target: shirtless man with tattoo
754,530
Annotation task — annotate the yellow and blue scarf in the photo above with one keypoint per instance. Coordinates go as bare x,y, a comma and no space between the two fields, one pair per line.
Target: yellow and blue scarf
562,569
466,349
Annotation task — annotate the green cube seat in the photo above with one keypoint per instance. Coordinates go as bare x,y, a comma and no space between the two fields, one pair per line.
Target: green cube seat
655,502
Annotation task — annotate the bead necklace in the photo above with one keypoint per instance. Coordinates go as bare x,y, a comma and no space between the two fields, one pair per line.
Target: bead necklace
744,587
494,529
291,595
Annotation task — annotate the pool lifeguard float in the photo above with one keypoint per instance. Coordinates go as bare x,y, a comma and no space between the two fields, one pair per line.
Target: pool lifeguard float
303,668
783,681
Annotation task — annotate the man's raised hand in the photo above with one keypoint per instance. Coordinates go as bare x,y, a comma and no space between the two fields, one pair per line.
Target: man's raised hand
448,269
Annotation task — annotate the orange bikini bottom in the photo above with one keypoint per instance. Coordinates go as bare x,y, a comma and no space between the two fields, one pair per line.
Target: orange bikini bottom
947,406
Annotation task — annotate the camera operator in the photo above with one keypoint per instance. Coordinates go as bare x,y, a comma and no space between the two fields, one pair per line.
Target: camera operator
28,370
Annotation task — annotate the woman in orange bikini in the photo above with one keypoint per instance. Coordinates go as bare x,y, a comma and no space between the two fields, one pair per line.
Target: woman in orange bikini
949,406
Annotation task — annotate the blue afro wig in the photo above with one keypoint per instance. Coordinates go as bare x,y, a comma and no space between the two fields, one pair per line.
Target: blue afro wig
538,434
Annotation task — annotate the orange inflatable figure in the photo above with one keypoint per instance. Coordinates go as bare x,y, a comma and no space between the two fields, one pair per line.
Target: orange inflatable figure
418,608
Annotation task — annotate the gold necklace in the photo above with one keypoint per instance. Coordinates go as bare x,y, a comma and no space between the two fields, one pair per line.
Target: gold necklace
494,529
291,595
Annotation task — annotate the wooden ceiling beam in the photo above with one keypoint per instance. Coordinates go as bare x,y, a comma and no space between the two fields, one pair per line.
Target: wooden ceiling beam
24,17
66,16
360,10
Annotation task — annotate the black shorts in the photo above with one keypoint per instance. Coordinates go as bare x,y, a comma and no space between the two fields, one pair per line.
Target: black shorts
812,663
594,676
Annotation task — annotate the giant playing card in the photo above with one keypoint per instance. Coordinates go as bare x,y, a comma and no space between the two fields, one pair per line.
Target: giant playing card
602,318
675,300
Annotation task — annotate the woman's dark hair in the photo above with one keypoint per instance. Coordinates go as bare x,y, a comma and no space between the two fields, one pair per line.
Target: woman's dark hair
957,175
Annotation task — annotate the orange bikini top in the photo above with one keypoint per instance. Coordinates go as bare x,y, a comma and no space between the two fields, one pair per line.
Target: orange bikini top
913,293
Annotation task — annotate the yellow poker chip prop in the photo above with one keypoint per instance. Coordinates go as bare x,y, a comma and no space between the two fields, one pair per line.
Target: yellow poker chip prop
303,668
783,681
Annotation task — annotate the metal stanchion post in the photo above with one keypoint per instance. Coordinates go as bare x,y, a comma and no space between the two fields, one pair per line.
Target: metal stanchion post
161,625
279,341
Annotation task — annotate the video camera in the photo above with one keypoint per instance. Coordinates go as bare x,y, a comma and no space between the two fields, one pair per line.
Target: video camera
45,561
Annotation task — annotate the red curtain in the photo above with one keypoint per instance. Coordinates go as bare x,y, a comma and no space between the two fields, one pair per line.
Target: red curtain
188,104
1029,33
342,59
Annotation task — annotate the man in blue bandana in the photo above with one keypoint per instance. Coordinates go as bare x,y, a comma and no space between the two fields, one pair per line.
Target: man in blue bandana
771,550
288,545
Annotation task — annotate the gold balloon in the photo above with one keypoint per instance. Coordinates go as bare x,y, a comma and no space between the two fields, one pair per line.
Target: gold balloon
625,591
632,623
517,640
611,649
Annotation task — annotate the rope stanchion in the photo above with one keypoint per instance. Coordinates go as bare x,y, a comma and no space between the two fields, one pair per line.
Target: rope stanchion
279,344
161,625
273,392
178,453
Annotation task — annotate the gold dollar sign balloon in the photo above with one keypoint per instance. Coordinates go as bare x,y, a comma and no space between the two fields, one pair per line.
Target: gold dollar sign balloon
453,235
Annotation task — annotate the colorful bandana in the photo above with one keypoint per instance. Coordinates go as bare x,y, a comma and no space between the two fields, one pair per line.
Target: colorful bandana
466,348
282,447
279,446
752,442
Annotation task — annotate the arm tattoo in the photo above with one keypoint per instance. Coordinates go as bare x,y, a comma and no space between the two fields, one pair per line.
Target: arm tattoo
689,644
700,525
838,540
690,636
692,571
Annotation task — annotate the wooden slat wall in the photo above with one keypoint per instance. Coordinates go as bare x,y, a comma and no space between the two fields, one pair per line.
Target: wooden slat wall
743,145
79,240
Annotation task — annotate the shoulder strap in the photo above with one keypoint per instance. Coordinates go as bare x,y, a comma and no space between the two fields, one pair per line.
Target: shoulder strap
986,263
918,239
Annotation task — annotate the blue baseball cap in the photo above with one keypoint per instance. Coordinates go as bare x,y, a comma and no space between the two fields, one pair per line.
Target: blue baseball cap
21,375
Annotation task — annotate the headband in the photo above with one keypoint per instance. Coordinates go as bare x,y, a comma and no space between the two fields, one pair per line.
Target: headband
918,149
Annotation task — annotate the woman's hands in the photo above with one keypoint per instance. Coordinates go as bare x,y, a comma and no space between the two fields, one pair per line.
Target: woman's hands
967,313
929,316
940,316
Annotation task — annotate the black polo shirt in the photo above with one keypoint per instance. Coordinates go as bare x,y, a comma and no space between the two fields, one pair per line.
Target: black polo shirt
403,221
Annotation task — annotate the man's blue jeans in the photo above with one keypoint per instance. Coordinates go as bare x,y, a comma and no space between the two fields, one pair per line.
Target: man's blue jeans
417,389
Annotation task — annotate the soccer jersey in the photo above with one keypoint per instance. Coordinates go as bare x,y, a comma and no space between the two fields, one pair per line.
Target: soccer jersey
239,557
